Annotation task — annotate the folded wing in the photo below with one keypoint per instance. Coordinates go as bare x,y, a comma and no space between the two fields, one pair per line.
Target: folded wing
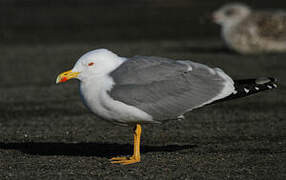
165,88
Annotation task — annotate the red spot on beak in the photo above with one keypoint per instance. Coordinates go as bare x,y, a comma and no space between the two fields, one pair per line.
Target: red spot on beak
64,79
90,64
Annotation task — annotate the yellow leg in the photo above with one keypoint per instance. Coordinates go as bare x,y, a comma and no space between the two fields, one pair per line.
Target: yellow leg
136,154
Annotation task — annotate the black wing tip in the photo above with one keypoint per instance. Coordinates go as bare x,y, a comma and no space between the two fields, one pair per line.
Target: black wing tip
246,87
268,83
265,80
273,79
262,81
252,86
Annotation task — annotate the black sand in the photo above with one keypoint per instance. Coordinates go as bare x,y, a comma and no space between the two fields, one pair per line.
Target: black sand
46,133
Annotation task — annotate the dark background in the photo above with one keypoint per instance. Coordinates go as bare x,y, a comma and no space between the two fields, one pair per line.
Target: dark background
46,132
29,21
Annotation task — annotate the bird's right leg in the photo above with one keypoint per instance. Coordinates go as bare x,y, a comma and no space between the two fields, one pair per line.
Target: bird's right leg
136,154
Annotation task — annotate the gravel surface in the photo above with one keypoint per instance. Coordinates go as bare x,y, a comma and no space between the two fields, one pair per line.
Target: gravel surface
46,132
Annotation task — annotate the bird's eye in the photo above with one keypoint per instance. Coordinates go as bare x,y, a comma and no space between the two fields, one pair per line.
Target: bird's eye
90,64
230,12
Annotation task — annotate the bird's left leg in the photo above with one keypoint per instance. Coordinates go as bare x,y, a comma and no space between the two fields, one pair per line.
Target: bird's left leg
136,154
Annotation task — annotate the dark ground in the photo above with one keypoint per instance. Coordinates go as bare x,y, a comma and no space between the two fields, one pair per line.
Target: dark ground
46,133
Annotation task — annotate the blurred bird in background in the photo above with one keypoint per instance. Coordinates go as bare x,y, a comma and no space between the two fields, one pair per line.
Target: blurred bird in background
249,31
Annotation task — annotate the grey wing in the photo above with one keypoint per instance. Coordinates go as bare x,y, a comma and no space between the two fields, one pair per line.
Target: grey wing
166,88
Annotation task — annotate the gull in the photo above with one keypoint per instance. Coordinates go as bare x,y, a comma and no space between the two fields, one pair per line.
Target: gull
250,31
143,89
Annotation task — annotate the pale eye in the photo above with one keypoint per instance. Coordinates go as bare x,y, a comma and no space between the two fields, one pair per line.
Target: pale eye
90,64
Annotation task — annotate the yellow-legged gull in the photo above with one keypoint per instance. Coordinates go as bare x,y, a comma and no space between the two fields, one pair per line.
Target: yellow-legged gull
141,89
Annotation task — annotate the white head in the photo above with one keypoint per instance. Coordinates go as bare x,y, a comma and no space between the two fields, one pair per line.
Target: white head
231,14
93,63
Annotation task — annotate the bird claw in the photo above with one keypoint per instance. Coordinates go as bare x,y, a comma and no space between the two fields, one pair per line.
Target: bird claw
119,158
125,160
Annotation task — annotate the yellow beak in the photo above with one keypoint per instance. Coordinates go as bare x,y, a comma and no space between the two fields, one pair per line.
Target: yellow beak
63,77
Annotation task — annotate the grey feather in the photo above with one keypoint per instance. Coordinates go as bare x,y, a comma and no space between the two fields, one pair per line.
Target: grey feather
165,88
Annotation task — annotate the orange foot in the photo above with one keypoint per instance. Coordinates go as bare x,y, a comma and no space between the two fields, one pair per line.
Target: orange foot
125,160
136,154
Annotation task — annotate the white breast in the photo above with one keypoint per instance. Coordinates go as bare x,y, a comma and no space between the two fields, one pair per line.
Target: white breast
95,96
